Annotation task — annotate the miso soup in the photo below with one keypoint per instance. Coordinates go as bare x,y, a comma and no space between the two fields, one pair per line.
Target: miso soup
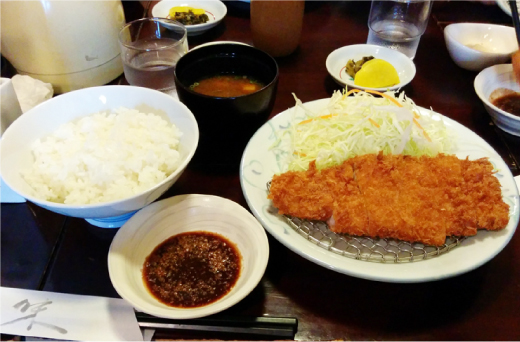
226,86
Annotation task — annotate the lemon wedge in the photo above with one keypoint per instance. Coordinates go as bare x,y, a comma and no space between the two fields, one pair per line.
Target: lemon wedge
185,9
376,73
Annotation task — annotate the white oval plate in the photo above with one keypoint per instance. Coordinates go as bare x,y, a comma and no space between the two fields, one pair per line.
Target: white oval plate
152,225
259,164
337,60
215,10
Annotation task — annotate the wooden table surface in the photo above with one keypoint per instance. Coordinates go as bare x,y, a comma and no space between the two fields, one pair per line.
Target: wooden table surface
46,251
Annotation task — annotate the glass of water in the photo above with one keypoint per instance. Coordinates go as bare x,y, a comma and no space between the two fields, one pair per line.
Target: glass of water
398,24
150,49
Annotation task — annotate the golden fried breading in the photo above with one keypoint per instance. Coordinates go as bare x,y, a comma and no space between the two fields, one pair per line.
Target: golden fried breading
373,174
302,194
349,213
416,199
420,202
460,214
484,191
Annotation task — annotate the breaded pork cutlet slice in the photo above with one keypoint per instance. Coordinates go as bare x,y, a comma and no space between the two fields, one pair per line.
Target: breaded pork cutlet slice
373,175
302,194
483,190
421,202
349,214
416,199
460,213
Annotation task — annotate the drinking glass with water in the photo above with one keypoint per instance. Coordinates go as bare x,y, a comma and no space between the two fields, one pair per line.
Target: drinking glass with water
398,24
150,49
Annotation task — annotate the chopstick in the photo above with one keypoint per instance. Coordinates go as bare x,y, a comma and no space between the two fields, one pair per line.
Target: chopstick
516,20
279,327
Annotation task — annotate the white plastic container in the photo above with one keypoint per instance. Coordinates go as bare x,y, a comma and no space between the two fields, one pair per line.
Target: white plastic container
70,44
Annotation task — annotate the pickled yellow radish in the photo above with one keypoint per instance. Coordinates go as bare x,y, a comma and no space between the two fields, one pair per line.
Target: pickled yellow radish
376,73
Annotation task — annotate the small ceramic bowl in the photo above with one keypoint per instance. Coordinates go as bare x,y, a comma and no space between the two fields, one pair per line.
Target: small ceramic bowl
148,228
226,123
215,10
491,79
504,5
45,118
474,46
337,60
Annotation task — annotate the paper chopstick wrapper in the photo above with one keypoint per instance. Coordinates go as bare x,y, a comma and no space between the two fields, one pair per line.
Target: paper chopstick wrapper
66,316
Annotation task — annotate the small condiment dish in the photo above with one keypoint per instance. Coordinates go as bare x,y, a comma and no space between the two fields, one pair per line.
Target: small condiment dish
493,78
475,46
337,60
149,227
215,10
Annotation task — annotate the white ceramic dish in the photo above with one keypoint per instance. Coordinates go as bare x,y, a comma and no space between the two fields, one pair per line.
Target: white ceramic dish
504,5
337,60
152,225
259,163
475,46
49,115
215,10
490,79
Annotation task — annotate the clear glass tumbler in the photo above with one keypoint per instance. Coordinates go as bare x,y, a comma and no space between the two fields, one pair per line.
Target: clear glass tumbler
398,24
150,49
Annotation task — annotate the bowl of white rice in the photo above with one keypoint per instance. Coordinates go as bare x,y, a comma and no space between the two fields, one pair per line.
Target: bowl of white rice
99,153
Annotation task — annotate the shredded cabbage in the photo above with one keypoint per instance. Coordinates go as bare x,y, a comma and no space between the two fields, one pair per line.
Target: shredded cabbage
361,124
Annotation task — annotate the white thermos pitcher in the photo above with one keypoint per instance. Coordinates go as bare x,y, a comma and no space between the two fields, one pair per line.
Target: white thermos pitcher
70,44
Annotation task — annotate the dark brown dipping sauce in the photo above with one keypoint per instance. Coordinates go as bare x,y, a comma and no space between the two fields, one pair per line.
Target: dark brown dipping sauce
509,103
226,86
192,269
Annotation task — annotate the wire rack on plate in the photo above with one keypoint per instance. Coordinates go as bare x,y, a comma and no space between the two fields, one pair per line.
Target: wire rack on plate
368,249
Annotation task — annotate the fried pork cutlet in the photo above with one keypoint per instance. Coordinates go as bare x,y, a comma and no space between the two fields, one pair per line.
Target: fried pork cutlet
416,199
484,191
458,207
349,211
421,202
302,194
373,175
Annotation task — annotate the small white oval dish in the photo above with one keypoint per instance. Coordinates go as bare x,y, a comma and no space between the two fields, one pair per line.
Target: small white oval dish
215,10
337,60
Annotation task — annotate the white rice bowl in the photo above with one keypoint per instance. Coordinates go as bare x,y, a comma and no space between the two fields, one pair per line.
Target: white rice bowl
97,162
103,157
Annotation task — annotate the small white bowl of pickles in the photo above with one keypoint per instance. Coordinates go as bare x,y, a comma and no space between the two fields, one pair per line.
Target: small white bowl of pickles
205,15
370,67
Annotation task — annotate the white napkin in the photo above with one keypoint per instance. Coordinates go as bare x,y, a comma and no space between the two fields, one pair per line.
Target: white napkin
30,91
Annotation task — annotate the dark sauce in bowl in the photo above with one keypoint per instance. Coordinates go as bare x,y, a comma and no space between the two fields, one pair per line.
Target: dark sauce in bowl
509,103
192,269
